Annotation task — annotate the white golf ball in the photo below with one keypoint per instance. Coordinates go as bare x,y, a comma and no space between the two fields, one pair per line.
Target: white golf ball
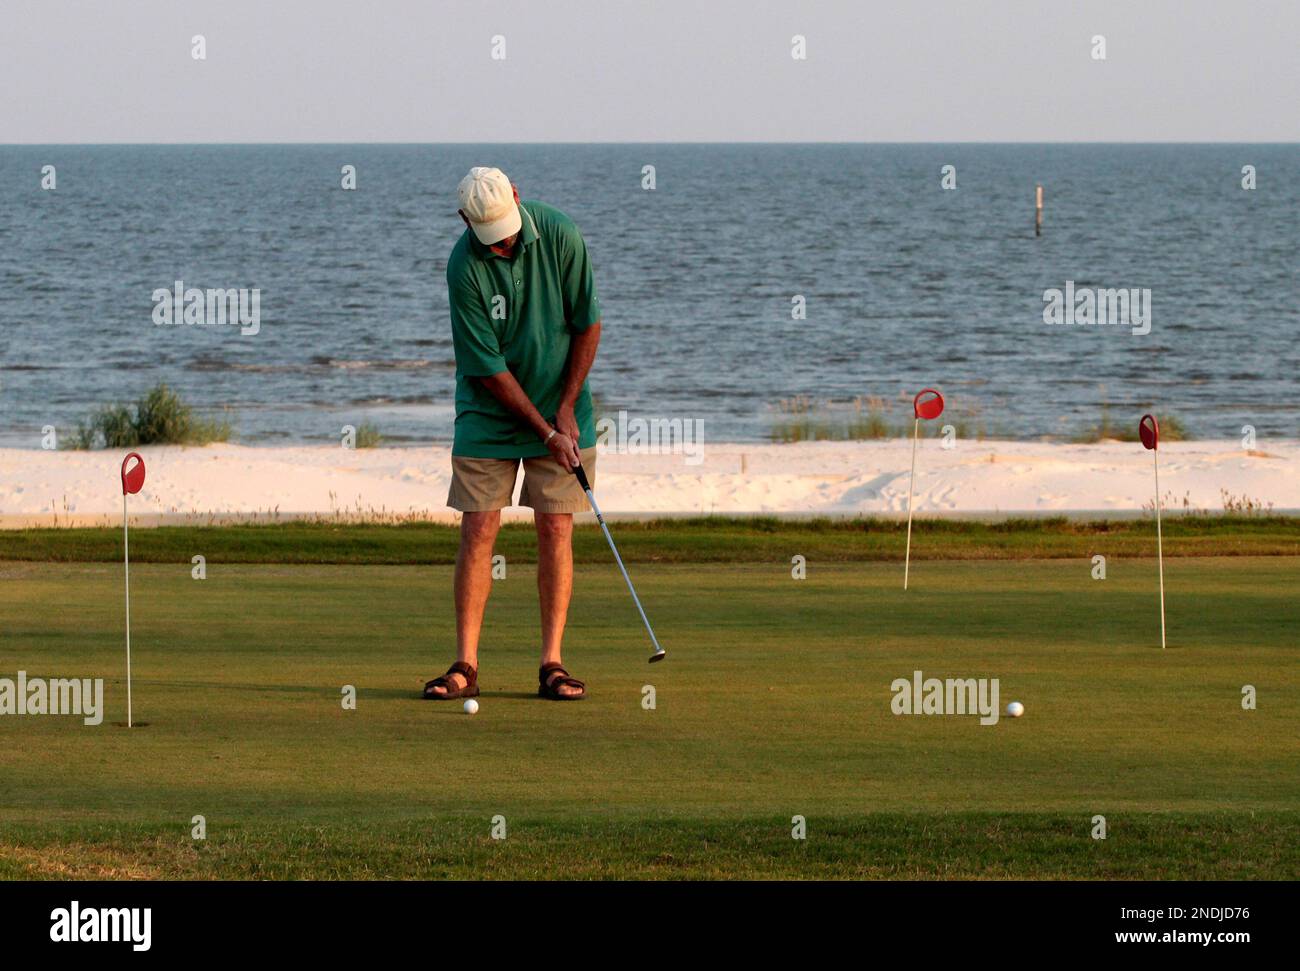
471,707
1015,709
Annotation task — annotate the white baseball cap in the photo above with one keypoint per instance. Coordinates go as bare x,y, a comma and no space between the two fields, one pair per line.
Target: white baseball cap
488,200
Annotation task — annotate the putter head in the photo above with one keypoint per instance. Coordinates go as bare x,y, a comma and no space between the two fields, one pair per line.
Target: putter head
1149,432
930,407
657,657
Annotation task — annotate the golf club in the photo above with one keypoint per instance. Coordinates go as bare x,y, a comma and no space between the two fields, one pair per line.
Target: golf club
929,408
132,482
1149,432
659,653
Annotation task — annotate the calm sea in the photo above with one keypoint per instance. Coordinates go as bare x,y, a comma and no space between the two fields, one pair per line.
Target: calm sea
905,284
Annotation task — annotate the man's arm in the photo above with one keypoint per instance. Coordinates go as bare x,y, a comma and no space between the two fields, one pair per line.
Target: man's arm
582,353
562,445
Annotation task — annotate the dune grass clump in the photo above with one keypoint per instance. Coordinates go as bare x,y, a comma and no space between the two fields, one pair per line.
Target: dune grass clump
863,419
368,436
1171,430
802,419
159,418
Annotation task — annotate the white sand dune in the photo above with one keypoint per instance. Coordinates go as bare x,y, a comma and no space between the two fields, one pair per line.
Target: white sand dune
233,482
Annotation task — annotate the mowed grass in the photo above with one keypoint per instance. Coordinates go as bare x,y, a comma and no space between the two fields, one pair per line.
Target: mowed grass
774,702
712,539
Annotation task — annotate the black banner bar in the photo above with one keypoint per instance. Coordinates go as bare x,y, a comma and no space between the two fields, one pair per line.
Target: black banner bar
220,920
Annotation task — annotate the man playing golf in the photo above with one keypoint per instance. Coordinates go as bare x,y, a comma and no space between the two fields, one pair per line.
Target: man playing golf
525,323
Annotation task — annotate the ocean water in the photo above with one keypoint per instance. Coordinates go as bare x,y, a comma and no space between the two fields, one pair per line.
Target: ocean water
906,285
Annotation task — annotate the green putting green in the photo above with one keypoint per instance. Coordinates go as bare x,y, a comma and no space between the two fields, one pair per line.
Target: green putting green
774,702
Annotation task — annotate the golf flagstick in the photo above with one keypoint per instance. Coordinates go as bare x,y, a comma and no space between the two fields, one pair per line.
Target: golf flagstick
659,653
1150,435
930,408
132,482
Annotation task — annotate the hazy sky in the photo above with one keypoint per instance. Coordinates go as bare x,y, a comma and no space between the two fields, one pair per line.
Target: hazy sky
654,70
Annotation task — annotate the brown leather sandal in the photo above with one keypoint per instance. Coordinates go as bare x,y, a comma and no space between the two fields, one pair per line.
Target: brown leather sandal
470,674
547,685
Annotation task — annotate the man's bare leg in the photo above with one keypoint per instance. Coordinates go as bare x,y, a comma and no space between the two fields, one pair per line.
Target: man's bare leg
554,583
478,534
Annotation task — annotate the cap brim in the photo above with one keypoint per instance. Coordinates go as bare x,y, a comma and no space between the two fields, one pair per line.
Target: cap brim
494,232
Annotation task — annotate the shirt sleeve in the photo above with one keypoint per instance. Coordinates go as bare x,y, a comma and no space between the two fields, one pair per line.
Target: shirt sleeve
581,305
474,339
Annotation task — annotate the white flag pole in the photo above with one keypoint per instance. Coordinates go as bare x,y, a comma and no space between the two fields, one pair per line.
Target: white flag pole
132,481
126,563
1149,435
1160,549
932,407
911,483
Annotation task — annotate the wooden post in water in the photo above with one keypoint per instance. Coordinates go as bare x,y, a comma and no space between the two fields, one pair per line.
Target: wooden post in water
1038,212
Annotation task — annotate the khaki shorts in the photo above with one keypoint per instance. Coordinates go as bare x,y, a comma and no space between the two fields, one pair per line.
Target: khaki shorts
484,485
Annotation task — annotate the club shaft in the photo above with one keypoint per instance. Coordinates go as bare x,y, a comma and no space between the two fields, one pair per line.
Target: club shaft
911,481
619,560
126,564
1160,549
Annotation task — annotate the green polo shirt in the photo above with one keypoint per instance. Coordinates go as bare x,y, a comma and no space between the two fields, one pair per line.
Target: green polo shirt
519,315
